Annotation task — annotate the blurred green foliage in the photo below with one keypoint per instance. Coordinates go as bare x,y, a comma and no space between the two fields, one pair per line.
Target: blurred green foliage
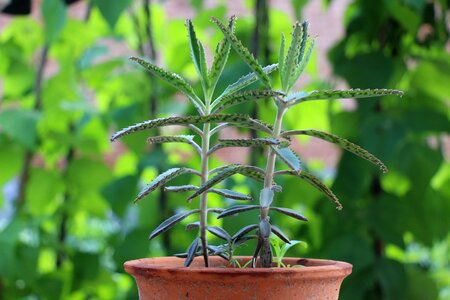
66,219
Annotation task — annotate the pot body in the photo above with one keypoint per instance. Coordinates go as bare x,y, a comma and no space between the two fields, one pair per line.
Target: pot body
165,278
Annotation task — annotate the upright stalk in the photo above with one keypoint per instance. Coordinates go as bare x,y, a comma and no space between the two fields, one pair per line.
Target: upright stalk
263,247
204,177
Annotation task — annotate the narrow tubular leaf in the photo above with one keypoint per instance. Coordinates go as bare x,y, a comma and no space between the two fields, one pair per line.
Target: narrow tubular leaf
345,144
188,139
314,181
231,194
291,60
243,53
224,174
191,252
305,59
243,231
173,79
237,209
277,231
216,210
193,225
194,47
249,171
256,142
172,221
289,157
339,94
219,232
281,54
162,179
245,81
290,212
181,188
235,119
220,57
244,97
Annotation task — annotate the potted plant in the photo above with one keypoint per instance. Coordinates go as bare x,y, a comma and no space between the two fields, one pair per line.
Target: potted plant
212,271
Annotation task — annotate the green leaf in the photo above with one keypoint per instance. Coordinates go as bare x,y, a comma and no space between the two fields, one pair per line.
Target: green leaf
197,54
281,54
243,97
311,43
20,126
191,252
188,139
314,181
292,57
231,194
220,57
172,221
224,174
219,232
256,142
112,9
279,233
245,81
173,79
243,231
243,53
290,212
289,157
296,98
54,15
193,225
181,188
236,210
345,144
237,119
162,179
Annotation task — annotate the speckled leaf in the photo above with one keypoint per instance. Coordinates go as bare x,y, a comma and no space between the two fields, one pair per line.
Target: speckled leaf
314,181
244,97
345,144
245,81
281,54
296,98
231,194
220,57
290,212
170,222
181,188
243,53
224,174
237,119
237,209
289,157
197,53
257,142
292,56
173,79
162,179
188,139
310,45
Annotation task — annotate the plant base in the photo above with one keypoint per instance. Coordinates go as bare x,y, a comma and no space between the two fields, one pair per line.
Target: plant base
166,278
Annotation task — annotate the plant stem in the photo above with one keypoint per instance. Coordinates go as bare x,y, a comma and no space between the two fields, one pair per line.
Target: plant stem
204,177
264,246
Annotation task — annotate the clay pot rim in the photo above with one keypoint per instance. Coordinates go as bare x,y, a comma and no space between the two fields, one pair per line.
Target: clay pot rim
319,266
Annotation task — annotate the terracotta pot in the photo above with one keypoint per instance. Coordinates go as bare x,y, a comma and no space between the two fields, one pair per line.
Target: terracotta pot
166,278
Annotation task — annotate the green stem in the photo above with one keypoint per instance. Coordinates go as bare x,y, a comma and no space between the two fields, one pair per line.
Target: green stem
204,177
263,248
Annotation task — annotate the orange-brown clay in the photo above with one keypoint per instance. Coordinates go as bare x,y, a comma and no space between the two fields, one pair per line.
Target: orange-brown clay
165,278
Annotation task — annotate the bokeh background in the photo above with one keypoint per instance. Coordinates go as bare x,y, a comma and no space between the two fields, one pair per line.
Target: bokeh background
67,222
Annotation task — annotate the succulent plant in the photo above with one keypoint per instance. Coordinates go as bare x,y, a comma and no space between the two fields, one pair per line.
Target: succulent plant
210,121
